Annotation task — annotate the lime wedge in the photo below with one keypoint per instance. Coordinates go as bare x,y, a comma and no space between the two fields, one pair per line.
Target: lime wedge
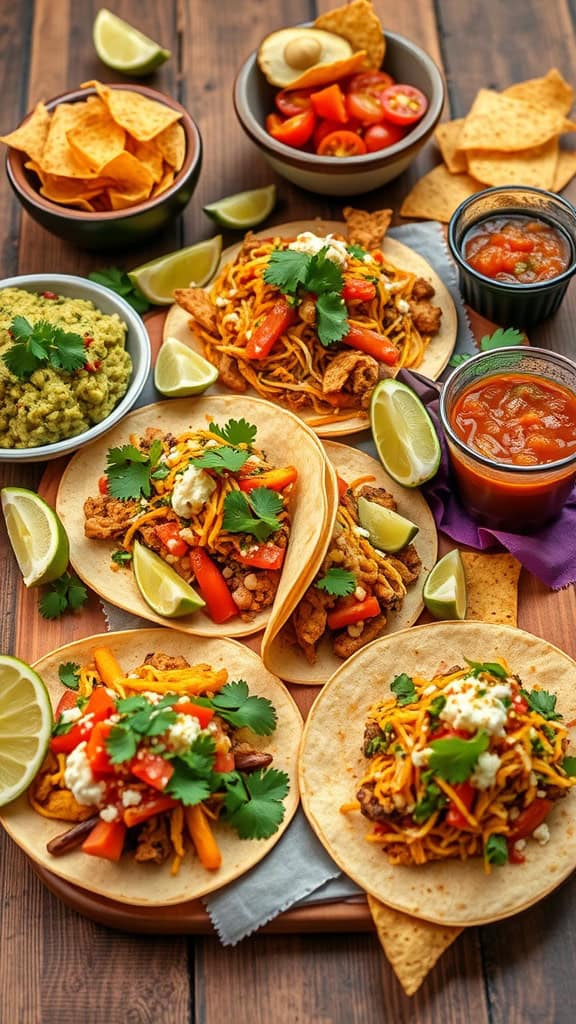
36,534
180,371
403,433
161,586
25,726
445,588
244,209
388,530
124,48
192,266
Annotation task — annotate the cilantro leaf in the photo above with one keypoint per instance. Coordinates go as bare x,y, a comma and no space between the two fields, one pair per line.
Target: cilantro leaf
121,557
287,268
20,361
200,758
543,703
234,704
21,329
323,274
128,472
501,338
357,251
67,592
458,358
436,706
69,674
67,351
187,787
52,605
235,432
118,281
262,811
40,344
496,850
331,318
493,668
569,766
220,459
454,759
433,799
77,594
238,516
403,687
338,582
267,505
126,705
121,743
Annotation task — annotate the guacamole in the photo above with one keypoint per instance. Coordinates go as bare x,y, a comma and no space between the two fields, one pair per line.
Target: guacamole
51,405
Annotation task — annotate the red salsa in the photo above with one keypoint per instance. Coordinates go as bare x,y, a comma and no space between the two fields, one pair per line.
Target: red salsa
517,249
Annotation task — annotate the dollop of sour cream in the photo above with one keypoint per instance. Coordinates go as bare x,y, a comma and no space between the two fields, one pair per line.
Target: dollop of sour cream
191,492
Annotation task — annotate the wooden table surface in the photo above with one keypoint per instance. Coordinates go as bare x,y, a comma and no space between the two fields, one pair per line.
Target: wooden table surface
58,967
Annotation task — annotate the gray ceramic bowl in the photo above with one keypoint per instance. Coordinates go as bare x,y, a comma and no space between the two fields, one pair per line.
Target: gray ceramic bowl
137,344
342,176
118,228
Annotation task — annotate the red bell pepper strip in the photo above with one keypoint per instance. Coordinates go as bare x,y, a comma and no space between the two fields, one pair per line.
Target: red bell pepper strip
106,840
342,486
204,715
375,345
348,612
152,769
514,855
273,479
466,792
150,805
169,534
529,819
68,700
266,556
96,751
224,762
264,337
363,291
103,485
100,704
212,586
99,707
330,103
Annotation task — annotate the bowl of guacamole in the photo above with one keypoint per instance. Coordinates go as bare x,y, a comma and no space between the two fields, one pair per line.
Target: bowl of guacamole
74,358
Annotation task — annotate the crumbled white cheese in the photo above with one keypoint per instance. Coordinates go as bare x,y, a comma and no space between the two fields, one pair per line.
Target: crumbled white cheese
533,779
311,244
520,845
79,780
191,492
131,798
221,301
420,757
361,532
514,813
402,306
109,813
476,706
429,689
183,732
484,774
541,834
541,793
70,715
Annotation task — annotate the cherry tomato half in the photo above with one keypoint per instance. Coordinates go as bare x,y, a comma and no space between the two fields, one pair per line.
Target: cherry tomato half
341,143
273,121
403,104
373,82
365,107
296,130
293,103
324,128
379,136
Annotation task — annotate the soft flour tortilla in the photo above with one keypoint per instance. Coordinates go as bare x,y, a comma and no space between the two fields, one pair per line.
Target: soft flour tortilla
436,356
286,441
288,660
152,884
331,764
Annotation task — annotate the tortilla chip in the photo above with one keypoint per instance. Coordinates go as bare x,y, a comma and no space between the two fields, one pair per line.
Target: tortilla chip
324,74
551,92
31,136
360,25
165,182
491,587
142,117
497,122
58,157
438,193
129,175
367,229
147,153
565,169
534,167
171,143
69,190
411,946
447,136
95,137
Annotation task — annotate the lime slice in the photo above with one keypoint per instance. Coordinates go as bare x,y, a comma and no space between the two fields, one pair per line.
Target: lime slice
25,726
124,48
388,530
180,371
36,534
244,209
403,433
192,266
161,586
445,588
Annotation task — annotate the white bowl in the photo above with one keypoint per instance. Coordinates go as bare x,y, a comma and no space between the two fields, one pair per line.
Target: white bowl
137,344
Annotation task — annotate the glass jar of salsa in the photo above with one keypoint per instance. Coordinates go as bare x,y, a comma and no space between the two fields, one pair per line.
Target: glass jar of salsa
509,418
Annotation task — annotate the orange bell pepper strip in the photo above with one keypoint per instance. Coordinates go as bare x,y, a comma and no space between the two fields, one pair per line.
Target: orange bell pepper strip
375,345
108,668
96,751
330,103
273,479
147,808
201,835
106,840
345,614
274,324
342,486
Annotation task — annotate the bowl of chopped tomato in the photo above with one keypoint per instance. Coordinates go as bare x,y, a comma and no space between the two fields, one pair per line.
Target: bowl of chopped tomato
515,248
351,135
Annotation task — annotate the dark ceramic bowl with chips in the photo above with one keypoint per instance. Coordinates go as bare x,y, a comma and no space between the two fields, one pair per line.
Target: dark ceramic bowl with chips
114,229
508,303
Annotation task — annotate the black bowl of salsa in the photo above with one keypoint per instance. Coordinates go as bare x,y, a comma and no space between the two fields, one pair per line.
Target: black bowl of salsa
515,248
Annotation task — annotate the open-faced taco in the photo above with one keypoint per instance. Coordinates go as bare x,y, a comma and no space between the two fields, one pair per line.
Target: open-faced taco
360,592
311,315
436,769
171,769
228,492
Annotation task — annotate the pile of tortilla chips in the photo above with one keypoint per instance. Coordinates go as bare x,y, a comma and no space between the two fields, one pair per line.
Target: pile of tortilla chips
507,138
113,150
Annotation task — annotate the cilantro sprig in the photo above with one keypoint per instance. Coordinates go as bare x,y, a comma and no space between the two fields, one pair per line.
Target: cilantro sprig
293,272
432,799
492,668
130,472
117,280
253,803
138,718
501,338
455,759
66,593
496,850
69,674
543,703
244,710
43,344
403,687
235,432
255,513
225,459
337,581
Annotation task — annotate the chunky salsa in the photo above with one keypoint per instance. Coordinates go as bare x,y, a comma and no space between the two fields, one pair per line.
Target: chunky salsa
517,248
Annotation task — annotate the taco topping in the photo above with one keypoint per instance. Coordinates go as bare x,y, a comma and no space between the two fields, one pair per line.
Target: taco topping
466,764
209,503
148,760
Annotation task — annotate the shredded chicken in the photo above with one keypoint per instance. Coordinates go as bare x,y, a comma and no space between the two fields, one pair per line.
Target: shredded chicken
107,517
196,302
228,369
408,564
166,662
367,229
378,495
345,645
309,620
153,843
355,371
422,289
426,317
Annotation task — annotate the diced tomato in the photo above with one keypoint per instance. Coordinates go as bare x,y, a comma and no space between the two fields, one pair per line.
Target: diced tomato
373,344
100,704
514,242
519,703
324,128
169,534
366,107
152,769
147,808
296,130
290,103
68,700
212,585
373,82
99,707
359,290
204,715
454,817
224,762
50,295
330,103
273,479
514,855
378,256
380,136
273,121
106,840
103,485
265,556
403,104
530,818
96,751
341,143
346,612
265,336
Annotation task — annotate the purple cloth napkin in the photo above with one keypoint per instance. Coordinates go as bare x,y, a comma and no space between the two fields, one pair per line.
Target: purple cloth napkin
549,553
